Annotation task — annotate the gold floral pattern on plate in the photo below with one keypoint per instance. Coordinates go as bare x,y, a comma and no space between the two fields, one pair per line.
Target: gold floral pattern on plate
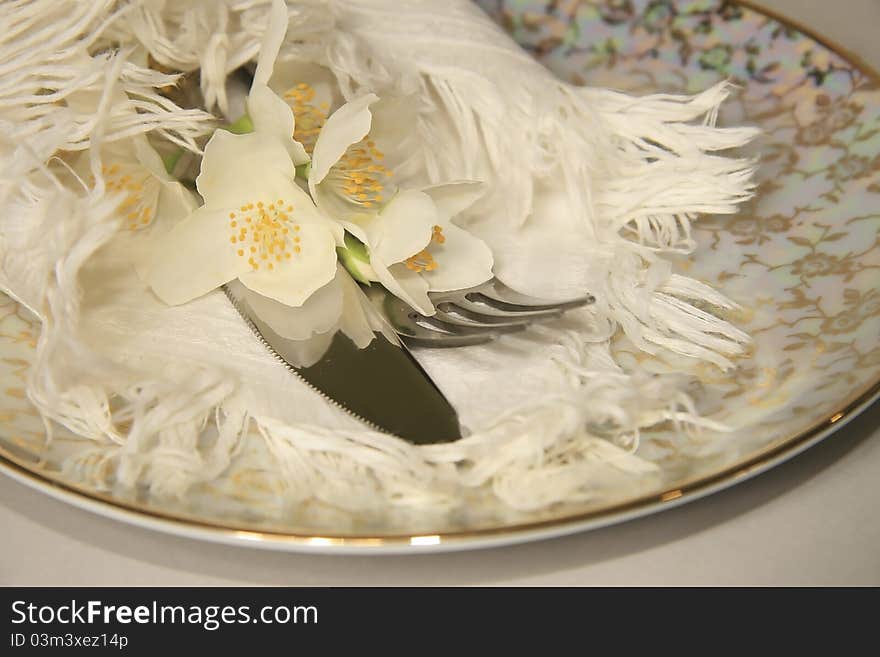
802,259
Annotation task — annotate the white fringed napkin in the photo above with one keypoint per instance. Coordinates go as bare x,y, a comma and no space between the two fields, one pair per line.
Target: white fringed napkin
587,190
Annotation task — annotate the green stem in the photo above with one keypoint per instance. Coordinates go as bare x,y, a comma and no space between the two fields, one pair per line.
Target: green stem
242,126
355,258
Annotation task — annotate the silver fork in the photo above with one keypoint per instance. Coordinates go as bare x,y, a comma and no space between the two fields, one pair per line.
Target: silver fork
468,317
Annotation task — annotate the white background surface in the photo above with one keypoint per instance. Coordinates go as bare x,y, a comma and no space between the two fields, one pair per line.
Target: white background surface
814,520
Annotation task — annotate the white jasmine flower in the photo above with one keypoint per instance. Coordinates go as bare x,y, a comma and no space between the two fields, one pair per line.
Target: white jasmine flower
256,226
411,243
412,246
133,171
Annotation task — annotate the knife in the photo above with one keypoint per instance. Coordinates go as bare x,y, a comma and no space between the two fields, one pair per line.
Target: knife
382,384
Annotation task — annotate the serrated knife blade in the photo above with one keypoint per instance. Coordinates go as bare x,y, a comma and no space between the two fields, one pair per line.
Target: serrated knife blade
382,384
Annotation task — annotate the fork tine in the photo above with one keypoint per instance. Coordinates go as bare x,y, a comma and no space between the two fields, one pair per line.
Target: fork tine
496,294
468,317
417,336
418,330
449,324
476,314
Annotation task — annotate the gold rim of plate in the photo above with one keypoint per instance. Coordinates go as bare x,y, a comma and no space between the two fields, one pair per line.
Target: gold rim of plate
566,524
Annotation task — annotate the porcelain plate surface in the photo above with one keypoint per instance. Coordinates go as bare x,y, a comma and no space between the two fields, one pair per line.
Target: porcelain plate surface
803,260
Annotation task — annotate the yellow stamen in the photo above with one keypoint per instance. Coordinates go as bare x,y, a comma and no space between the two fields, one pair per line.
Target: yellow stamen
423,260
360,176
138,190
308,118
266,233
